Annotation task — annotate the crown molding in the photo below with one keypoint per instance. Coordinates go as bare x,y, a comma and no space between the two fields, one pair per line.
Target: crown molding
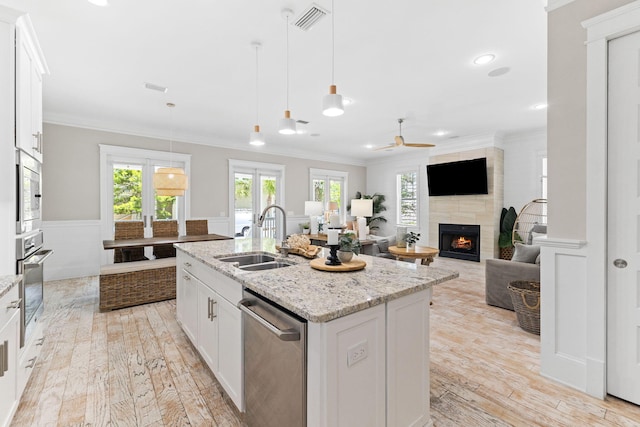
555,4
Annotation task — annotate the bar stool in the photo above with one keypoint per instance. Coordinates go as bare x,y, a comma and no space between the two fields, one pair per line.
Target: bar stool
197,227
164,228
126,230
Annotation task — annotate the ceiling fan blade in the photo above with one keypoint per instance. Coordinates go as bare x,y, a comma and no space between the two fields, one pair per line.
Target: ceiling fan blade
399,140
386,147
411,144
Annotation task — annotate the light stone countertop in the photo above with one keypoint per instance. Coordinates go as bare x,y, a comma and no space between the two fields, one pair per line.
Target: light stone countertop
320,296
8,282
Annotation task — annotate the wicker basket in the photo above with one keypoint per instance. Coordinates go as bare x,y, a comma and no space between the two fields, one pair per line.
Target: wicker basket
506,253
164,228
525,296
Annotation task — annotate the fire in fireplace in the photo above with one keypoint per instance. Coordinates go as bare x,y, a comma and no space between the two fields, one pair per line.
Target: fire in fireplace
460,241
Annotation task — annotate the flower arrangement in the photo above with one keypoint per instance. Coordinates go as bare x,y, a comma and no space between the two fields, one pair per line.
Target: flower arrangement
411,237
349,244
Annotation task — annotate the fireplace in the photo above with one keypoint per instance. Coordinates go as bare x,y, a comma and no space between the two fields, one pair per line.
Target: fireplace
459,241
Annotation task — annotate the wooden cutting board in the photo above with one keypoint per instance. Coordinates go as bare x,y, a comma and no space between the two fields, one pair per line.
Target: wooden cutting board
353,265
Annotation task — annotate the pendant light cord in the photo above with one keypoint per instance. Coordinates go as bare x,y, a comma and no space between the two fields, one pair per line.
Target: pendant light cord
170,105
257,88
333,45
287,74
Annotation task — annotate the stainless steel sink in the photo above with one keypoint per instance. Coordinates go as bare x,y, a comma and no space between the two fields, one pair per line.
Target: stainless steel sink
248,259
264,266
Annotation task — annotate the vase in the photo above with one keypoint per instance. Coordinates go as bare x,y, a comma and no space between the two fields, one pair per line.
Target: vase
410,246
345,256
401,232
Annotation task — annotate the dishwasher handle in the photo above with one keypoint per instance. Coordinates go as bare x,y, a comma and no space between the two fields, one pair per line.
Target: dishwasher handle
284,335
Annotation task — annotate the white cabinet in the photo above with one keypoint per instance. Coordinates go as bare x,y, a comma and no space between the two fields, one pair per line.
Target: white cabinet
28,356
30,66
206,308
9,344
371,367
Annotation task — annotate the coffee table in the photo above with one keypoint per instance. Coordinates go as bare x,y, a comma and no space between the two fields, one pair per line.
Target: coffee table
424,253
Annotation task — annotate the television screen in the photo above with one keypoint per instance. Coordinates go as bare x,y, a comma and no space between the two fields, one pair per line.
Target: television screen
458,178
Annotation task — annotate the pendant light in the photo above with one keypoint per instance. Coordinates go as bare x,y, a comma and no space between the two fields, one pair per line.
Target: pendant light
287,124
256,138
332,104
170,181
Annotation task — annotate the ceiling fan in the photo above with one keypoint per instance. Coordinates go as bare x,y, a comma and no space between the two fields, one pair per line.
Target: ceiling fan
399,141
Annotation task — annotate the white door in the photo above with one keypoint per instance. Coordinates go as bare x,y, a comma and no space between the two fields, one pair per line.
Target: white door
623,251
254,187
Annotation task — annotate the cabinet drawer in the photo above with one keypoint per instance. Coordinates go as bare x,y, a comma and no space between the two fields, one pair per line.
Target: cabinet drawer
7,303
29,357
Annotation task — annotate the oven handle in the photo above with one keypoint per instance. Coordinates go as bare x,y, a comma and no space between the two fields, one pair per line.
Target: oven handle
43,254
286,335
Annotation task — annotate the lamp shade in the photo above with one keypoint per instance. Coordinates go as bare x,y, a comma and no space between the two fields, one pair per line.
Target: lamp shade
362,207
170,182
312,208
332,206
287,124
256,137
332,104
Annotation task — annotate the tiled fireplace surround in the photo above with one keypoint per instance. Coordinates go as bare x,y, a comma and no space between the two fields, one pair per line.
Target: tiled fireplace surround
483,209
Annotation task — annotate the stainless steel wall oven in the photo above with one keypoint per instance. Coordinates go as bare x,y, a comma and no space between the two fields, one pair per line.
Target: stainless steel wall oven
28,189
30,258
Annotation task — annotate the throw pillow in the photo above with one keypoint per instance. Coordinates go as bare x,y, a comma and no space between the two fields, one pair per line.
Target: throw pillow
525,253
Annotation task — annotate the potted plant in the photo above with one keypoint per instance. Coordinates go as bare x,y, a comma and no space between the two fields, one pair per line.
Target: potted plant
347,246
305,227
505,243
411,238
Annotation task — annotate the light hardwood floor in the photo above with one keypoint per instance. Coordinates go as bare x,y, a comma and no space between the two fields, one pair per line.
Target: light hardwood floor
135,367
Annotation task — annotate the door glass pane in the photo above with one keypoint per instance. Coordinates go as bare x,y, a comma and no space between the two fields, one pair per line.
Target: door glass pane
243,206
335,190
164,207
127,192
268,197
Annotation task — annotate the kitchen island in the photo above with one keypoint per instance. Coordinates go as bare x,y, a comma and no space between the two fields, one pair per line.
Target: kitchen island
367,331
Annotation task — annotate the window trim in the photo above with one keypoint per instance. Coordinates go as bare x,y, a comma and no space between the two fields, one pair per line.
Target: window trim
398,203
328,174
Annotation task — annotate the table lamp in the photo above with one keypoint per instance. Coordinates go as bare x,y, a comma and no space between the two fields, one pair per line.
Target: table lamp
361,208
332,216
313,209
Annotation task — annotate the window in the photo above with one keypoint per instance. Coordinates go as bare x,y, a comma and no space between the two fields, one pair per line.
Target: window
329,186
407,198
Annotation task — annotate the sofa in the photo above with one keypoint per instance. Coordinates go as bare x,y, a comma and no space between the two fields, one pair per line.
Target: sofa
499,272
381,245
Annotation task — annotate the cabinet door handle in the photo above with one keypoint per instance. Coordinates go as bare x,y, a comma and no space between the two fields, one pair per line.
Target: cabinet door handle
32,363
2,360
15,304
187,264
208,308
40,341
5,357
185,277
213,316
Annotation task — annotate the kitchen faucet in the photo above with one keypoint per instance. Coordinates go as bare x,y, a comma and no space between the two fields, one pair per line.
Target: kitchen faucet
284,247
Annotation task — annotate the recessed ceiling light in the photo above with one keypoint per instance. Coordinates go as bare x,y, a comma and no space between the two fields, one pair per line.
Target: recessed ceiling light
369,146
484,59
540,106
101,3
441,133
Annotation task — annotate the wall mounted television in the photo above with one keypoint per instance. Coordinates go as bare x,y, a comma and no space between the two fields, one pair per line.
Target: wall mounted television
460,178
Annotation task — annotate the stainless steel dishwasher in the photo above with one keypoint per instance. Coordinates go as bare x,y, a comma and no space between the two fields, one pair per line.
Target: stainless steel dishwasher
275,364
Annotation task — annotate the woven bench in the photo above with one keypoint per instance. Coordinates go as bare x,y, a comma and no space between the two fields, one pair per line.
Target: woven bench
139,282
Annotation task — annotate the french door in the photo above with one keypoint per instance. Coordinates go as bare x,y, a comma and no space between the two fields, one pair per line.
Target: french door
254,186
128,193
623,277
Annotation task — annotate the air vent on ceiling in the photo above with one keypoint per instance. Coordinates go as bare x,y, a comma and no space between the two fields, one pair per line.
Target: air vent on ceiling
309,17
156,87
302,122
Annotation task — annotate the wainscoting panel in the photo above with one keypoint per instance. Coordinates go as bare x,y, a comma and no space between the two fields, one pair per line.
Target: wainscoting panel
77,249
564,315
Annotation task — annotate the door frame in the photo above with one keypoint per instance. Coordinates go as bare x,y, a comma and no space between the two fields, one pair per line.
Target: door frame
106,191
253,167
600,30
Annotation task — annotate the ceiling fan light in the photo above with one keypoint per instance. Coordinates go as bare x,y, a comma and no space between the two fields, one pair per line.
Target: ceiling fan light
256,137
332,104
287,124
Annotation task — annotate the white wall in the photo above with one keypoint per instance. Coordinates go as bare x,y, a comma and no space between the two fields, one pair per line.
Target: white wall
523,153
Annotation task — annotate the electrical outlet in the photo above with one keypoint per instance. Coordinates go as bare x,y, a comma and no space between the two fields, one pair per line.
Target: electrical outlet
357,353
